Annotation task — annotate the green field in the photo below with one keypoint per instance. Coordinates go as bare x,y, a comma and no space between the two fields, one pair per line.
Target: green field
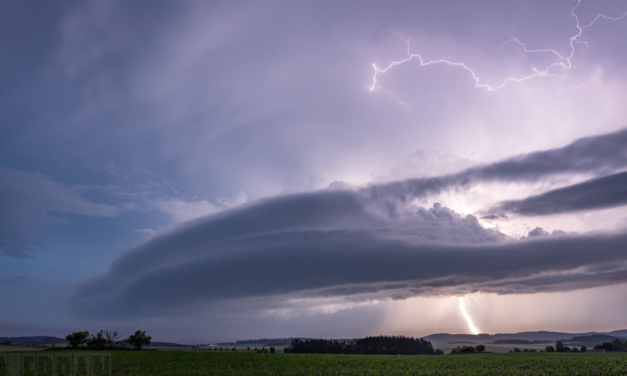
152,362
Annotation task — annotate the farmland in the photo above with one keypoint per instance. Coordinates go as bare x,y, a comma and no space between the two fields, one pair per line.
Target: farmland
152,362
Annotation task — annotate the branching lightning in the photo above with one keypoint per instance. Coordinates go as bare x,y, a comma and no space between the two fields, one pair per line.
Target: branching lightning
562,61
462,308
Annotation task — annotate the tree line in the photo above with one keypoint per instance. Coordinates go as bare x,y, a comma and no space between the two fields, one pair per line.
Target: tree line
561,347
388,345
106,339
468,349
616,345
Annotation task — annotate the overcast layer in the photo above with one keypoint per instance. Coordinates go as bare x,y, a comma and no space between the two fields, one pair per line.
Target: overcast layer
212,171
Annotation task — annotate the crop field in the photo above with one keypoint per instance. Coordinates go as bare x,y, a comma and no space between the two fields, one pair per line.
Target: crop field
151,362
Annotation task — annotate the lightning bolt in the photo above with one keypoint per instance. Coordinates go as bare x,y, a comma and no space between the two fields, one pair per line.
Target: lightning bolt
563,61
462,308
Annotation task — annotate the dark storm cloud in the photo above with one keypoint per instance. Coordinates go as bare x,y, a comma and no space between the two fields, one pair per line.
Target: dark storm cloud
324,211
606,192
597,155
333,244
346,243
29,202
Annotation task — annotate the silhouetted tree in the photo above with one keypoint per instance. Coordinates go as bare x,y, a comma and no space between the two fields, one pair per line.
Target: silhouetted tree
113,338
77,339
480,348
550,349
272,350
138,339
618,345
561,347
97,341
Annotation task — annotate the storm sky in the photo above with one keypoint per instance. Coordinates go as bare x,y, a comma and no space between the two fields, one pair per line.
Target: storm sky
211,171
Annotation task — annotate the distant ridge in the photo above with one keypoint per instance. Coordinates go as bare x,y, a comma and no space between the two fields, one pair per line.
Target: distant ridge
539,336
273,341
34,340
436,339
166,344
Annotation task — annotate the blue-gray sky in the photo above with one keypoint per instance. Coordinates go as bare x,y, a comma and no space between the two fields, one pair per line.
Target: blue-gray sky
213,171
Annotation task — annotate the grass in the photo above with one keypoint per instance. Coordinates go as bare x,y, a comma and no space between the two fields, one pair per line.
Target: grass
154,362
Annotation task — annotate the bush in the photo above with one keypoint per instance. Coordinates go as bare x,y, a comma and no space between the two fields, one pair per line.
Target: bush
77,339
138,339
463,350
549,349
480,348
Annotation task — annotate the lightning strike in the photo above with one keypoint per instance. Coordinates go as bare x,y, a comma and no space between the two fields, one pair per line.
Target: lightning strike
563,61
462,307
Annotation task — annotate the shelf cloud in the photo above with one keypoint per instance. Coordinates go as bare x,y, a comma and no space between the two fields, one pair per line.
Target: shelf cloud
602,193
334,244
596,155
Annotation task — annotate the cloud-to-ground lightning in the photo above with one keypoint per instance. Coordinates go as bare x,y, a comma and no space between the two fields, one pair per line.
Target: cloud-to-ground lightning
563,61
462,308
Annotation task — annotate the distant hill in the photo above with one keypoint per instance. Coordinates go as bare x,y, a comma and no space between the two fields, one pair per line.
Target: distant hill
618,333
537,337
273,342
166,344
517,342
34,340
591,340
436,339
266,342
446,338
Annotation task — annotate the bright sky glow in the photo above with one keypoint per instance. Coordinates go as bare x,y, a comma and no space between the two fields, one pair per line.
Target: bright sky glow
562,61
